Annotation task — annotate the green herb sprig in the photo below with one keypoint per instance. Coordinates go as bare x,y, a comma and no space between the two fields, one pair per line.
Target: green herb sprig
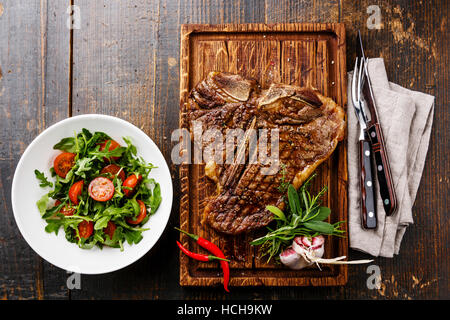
282,188
43,179
304,217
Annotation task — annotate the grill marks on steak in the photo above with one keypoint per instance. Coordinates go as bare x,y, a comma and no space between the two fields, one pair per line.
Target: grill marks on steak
310,126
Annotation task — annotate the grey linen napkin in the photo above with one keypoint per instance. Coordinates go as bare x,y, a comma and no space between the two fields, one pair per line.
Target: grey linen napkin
406,118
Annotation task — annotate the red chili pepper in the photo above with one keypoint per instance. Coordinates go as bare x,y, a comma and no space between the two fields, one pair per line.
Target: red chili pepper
199,256
215,250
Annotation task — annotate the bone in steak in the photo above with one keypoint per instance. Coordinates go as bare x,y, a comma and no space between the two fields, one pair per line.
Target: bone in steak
310,126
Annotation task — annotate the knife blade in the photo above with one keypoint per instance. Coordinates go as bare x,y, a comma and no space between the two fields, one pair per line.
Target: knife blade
377,142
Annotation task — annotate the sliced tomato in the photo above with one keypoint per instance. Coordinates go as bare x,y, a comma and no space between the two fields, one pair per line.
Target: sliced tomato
110,229
131,182
75,191
114,169
85,229
66,210
63,163
114,145
101,189
141,216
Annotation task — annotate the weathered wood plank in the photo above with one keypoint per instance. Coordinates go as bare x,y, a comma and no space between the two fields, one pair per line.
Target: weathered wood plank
34,90
218,11
56,106
413,40
132,82
287,11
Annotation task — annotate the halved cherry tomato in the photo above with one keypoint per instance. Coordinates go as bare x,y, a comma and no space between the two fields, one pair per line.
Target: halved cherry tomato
75,191
85,229
142,214
63,163
66,210
101,189
131,182
114,145
113,169
110,229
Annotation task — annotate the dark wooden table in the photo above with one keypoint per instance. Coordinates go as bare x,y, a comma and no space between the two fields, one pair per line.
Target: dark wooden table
124,61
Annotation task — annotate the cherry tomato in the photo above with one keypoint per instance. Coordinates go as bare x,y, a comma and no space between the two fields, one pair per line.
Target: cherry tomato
113,169
75,191
142,214
131,182
114,145
66,210
85,229
101,189
63,163
110,229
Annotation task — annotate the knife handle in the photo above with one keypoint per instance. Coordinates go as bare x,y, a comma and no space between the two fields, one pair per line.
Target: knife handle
384,175
368,207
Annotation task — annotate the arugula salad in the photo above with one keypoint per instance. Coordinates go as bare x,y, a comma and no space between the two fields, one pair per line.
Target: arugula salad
101,193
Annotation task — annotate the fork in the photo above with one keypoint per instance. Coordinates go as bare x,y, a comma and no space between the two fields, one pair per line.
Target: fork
367,185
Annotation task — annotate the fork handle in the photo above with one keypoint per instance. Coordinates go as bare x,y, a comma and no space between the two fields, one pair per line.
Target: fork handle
384,175
367,184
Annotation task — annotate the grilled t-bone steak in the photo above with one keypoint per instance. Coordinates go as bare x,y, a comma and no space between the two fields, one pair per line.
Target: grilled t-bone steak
310,126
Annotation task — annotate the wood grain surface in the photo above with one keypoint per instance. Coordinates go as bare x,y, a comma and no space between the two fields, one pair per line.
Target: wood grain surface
304,54
124,61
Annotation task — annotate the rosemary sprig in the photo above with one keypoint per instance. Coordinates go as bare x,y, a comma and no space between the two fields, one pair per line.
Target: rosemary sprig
304,217
283,183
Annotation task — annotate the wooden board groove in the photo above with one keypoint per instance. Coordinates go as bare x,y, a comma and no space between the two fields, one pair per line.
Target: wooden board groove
305,54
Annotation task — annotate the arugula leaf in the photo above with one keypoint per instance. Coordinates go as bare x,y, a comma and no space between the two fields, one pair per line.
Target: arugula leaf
133,236
105,153
98,206
42,178
155,198
117,239
52,211
130,147
135,205
98,137
102,223
53,226
86,134
84,165
115,211
128,227
68,177
88,245
66,144
42,204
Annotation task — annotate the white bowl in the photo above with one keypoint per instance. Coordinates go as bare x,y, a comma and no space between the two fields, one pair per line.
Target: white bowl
26,191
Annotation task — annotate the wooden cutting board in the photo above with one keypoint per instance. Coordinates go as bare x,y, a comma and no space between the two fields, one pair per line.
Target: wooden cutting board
300,54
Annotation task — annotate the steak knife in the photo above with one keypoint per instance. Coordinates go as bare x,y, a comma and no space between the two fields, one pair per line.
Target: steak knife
375,135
